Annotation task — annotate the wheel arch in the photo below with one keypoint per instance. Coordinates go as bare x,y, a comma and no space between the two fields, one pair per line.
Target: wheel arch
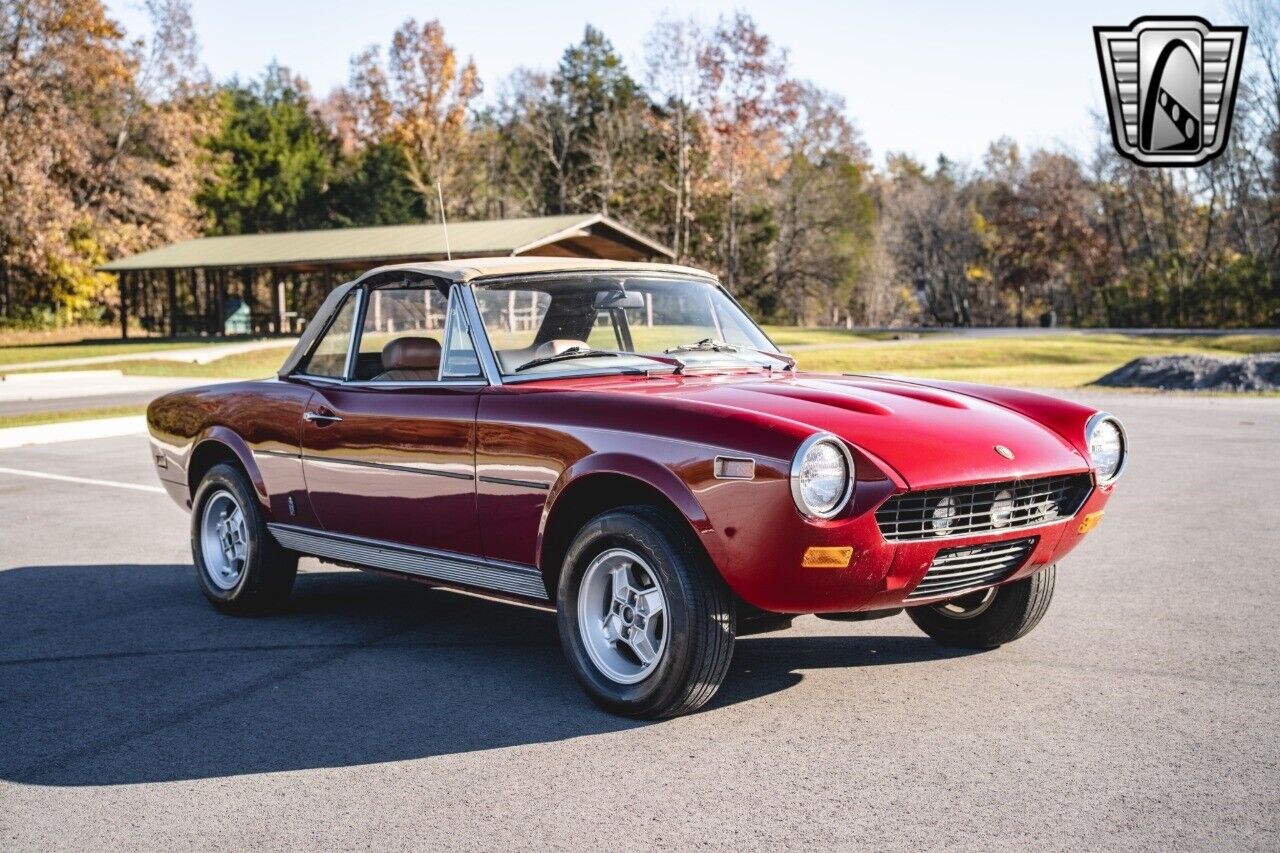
611,483
222,445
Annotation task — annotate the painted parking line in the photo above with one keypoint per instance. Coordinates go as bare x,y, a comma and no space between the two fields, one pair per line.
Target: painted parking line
87,481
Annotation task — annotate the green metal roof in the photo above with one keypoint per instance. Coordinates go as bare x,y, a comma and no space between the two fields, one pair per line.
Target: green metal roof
394,242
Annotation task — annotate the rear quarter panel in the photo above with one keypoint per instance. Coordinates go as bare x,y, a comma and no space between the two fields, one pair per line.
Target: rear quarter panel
260,422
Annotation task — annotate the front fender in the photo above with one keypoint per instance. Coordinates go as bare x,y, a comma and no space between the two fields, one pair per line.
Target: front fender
216,437
645,471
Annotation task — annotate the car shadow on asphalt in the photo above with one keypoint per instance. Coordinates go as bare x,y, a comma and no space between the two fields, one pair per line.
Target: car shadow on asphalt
117,674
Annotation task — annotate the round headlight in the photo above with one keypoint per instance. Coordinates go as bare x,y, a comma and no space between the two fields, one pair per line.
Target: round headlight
1107,447
1002,508
821,476
944,515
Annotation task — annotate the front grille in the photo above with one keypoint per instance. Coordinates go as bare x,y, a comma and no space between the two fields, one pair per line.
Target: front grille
968,509
956,570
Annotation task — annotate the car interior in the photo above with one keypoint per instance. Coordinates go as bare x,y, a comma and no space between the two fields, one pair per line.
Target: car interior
571,318
402,337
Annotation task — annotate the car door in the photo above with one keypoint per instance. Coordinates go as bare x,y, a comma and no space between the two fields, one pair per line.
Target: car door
389,436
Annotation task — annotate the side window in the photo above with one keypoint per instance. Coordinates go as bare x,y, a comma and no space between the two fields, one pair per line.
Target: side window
460,359
401,337
329,358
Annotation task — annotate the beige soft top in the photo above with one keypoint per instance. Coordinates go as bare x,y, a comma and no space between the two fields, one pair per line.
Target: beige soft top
472,269
475,269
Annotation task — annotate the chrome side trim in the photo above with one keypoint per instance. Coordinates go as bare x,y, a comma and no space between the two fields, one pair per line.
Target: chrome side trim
357,330
479,335
282,454
507,481
496,575
415,383
387,466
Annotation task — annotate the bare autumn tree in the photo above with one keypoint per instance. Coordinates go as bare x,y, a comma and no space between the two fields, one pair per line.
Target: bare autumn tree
98,147
824,214
746,96
542,138
153,161
1039,223
672,51
930,236
420,99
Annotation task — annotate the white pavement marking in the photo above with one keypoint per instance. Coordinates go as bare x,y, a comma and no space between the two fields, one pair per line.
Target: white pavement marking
72,431
88,481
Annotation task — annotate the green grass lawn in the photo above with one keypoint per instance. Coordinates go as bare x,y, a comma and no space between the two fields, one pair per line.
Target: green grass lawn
1050,361
258,364
1058,361
790,336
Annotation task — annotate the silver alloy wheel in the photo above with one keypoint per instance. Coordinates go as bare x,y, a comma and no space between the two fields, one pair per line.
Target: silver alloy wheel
224,540
622,616
967,606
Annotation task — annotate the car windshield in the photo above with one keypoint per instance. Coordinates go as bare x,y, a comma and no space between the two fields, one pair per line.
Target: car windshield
619,323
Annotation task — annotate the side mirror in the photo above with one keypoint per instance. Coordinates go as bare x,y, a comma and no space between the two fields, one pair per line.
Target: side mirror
607,300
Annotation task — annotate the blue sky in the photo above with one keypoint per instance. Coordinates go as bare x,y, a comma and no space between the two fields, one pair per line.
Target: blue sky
919,77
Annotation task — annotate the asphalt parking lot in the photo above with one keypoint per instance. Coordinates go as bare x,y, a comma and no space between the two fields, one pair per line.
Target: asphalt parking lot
1141,714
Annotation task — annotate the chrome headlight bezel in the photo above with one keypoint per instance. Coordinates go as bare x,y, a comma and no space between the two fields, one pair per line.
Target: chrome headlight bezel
1093,423
797,466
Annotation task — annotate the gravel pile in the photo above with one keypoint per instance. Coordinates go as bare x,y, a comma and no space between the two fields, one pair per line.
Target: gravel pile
1198,373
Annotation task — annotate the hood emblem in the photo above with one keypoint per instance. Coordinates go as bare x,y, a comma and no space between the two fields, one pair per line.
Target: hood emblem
1004,451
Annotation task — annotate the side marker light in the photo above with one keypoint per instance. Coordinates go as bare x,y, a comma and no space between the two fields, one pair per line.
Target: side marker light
827,558
1090,521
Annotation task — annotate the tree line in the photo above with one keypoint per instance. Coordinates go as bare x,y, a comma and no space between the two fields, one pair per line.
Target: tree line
111,145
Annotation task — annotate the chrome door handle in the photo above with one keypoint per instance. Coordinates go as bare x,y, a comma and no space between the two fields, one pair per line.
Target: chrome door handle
318,418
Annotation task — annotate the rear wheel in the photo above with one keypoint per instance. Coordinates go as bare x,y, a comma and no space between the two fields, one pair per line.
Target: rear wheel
989,617
239,565
647,625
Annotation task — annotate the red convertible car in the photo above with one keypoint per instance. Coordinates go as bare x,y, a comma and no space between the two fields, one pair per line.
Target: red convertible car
620,442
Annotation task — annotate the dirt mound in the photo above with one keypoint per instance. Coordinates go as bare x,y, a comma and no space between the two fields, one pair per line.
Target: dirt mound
1198,373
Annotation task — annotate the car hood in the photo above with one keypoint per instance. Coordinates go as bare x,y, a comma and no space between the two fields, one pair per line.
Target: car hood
929,436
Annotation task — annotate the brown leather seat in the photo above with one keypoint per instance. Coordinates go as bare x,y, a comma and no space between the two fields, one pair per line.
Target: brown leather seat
410,360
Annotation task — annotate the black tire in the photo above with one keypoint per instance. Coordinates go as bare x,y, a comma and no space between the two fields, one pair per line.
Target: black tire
700,616
1014,610
268,570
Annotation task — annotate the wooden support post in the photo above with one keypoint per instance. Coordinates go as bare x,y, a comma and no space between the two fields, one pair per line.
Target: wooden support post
172,285
277,302
124,305
221,301
246,291
197,305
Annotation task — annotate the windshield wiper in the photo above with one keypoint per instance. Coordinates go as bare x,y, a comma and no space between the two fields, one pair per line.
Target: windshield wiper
572,352
713,345
584,352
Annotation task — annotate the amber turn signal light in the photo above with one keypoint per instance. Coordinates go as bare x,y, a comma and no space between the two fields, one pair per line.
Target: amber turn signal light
1090,521
827,558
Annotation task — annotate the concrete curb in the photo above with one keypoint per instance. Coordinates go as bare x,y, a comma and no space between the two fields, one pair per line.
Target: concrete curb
71,431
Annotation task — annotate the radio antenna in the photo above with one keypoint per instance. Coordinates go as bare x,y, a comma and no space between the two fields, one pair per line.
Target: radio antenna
443,222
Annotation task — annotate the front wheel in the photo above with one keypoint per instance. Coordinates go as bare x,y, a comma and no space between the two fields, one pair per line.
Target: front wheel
989,617
239,565
647,625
